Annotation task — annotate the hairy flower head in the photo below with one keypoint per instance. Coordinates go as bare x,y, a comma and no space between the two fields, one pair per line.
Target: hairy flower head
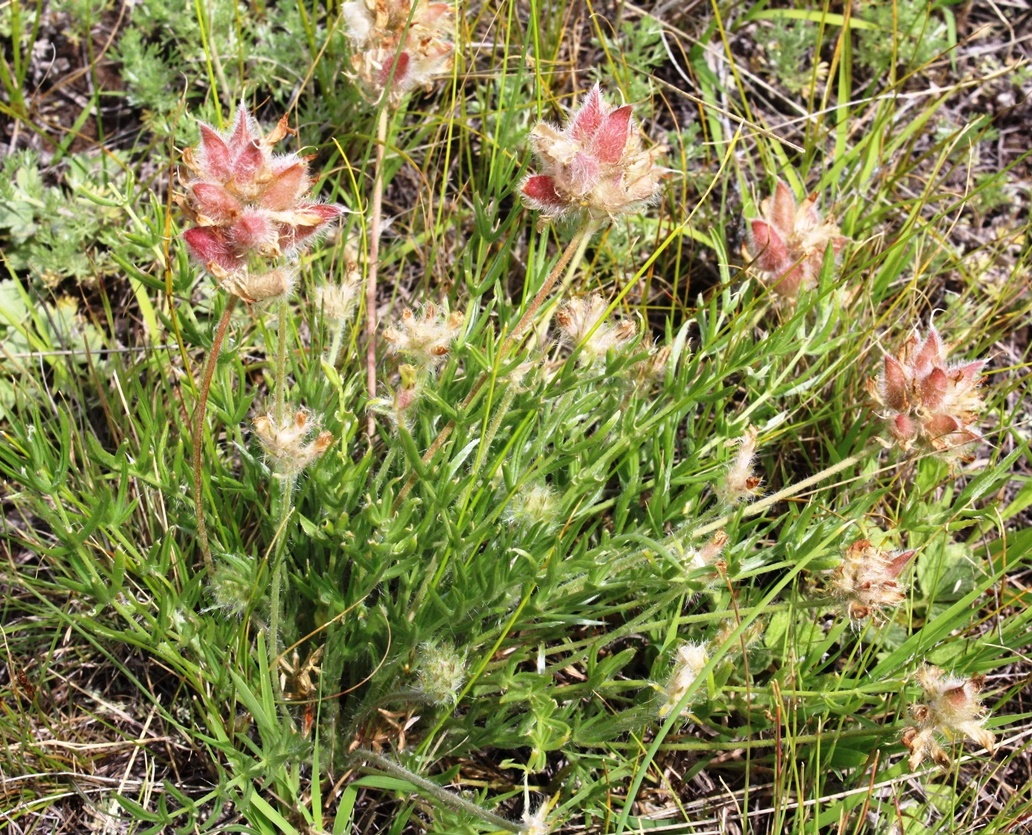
787,244
290,445
595,165
867,579
248,206
398,45
952,708
583,323
425,338
927,401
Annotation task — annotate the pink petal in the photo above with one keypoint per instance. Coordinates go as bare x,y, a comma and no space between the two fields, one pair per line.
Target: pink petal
895,386
903,428
214,160
899,562
286,188
933,389
309,219
930,353
783,209
611,136
214,202
395,70
581,175
244,131
253,233
768,248
539,193
588,118
789,283
967,376
940,426
209,245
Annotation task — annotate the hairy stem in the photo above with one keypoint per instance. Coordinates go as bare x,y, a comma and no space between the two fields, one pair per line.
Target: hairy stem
284,505
375,228
198,430
446,797
279,384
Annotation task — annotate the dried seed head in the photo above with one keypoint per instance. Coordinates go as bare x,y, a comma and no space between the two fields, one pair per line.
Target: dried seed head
287,445
739,483
953,708
595,165
583,323
867,579
690,661
926,401
788,243
398,45
426,338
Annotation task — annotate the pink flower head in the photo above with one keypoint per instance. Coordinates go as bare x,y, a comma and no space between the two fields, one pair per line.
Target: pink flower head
788,243
596,164
398,44
247,204
867,579
927,401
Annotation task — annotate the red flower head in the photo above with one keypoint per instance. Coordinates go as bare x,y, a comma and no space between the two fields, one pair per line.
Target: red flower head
248,204
926,401
788,243
596,164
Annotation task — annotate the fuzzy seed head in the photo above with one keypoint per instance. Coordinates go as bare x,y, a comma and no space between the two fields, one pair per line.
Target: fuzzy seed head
398,45
338,300
867,579
926,401
533,505
440,672
690,661
596,165
425,338
583,323
787,244
740,483
952,708
290,447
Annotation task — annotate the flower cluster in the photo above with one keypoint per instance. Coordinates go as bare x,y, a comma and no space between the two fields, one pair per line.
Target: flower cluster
398,44
583,323
289,445
926,401
953,708
249,208
595,165
787,245
425,338
867,579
